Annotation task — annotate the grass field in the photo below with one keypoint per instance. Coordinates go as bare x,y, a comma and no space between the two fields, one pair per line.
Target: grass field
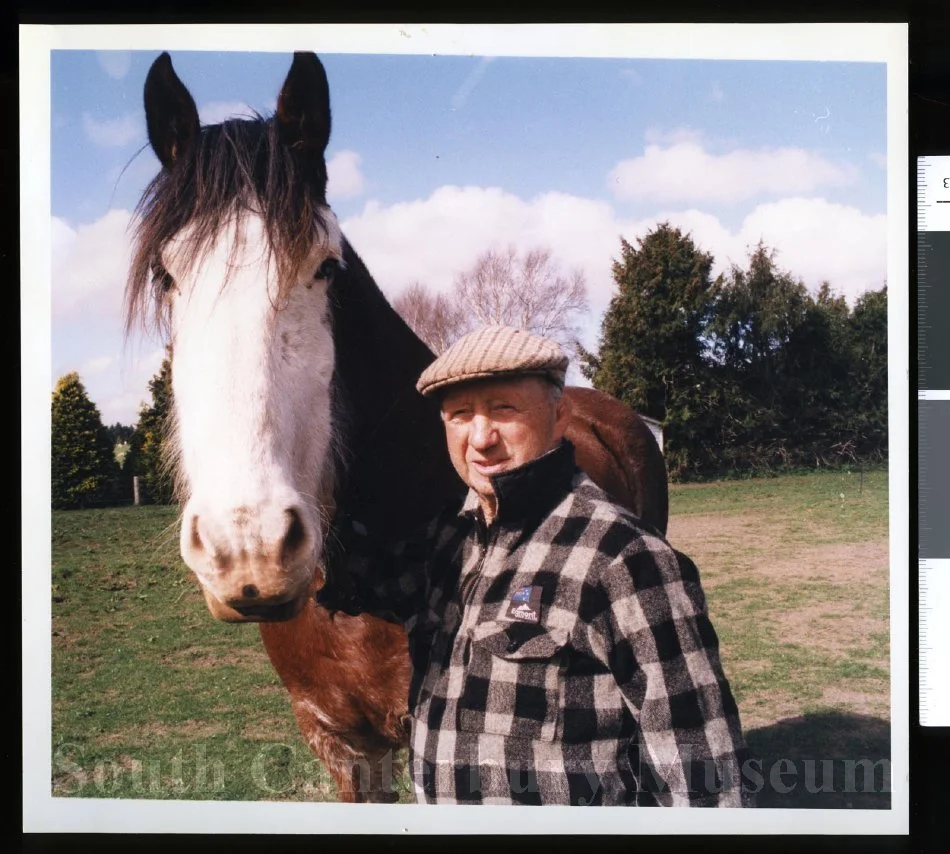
152,698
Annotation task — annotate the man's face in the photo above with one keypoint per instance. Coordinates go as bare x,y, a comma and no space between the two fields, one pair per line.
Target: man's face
493,426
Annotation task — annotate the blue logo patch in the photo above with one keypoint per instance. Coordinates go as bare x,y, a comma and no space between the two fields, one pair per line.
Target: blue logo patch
521,595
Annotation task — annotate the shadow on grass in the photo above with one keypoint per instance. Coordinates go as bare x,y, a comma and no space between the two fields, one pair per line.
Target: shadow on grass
825,760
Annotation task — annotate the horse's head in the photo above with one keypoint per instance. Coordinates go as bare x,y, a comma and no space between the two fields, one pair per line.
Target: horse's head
236,248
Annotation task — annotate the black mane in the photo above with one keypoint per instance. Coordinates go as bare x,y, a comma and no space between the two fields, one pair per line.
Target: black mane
231,168
393,471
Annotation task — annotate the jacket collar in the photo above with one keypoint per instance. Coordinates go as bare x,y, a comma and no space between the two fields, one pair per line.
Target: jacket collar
529,491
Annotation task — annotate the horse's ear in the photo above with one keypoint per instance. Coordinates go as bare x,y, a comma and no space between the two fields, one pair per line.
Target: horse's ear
303,107
170,112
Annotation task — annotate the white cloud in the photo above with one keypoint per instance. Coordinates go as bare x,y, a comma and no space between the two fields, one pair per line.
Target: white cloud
89,266
820,240
432,240
215,112
123,408
114,133
115,63
344,177
125,388
658,136
816,240
96,365
685,172
118,382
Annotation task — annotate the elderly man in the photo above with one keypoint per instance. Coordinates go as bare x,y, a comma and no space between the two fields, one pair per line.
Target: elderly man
561,651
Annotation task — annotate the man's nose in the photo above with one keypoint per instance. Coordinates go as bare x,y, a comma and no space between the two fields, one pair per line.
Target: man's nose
484,434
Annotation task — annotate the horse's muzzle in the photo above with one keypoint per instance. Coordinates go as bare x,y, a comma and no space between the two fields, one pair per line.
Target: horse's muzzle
257,613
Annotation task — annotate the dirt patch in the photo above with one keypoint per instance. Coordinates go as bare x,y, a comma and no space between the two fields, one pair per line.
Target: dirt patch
763,709
751,666
712,535
837,627
270,730
270,690
194,657
185,730
115,581
733,542
839,563
876,703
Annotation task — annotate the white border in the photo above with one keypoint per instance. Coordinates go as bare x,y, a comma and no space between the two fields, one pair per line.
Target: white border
845,42
822,42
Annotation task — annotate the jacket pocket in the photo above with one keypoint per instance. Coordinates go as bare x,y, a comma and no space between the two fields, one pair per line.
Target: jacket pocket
512,683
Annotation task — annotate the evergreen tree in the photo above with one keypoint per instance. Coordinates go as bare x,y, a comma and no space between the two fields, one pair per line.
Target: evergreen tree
119,432
758,313
148,444
867,400
768,339
814,383
653,351
84,470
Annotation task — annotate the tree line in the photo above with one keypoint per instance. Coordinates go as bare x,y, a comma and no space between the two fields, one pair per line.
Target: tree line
94,465
747,372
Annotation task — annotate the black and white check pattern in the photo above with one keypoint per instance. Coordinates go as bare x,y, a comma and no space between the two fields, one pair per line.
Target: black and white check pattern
616,696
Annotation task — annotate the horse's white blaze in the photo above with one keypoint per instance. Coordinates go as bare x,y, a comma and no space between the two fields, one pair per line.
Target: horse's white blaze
251,375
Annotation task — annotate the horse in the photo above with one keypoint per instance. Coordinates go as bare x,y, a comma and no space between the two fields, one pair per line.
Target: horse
294,406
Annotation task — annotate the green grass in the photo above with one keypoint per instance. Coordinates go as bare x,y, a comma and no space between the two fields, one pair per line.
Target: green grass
152,698
845,504
796,576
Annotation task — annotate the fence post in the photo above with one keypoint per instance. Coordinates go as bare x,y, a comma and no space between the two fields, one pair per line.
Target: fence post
136,495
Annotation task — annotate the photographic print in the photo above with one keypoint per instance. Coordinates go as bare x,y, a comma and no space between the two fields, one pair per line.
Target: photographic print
243,246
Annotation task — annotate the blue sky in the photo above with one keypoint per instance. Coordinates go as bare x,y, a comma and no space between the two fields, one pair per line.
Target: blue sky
434,159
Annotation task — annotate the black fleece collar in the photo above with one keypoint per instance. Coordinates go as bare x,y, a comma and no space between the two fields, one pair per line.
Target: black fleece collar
531,490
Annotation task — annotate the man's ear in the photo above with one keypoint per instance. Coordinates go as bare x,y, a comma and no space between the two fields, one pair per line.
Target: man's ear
564,411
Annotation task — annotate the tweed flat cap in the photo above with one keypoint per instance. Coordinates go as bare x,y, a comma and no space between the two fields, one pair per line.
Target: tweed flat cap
495,351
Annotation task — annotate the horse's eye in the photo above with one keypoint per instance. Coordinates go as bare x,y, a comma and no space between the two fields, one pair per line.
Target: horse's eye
161,278
327,270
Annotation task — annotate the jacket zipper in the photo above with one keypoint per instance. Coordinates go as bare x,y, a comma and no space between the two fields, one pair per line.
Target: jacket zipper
475,575
476,572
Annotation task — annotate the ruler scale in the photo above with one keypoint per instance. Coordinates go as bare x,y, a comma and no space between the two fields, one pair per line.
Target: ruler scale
933,437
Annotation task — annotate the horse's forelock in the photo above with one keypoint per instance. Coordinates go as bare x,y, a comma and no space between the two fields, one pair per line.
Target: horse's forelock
234,168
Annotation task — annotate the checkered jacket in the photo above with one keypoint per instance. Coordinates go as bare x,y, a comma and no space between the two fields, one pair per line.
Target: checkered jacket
562,655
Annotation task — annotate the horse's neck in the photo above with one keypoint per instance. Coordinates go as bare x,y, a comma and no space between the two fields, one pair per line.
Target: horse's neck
378,357
396,472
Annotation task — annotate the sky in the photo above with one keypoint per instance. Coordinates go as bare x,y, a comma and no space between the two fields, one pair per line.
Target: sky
435,159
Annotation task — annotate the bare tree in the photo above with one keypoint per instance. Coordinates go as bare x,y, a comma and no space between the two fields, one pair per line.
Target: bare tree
433,317
528,292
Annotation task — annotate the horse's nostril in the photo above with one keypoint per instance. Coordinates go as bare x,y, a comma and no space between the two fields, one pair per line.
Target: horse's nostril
296,534
249,591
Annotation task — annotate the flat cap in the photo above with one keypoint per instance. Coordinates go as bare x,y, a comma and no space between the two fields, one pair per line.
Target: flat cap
495,351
